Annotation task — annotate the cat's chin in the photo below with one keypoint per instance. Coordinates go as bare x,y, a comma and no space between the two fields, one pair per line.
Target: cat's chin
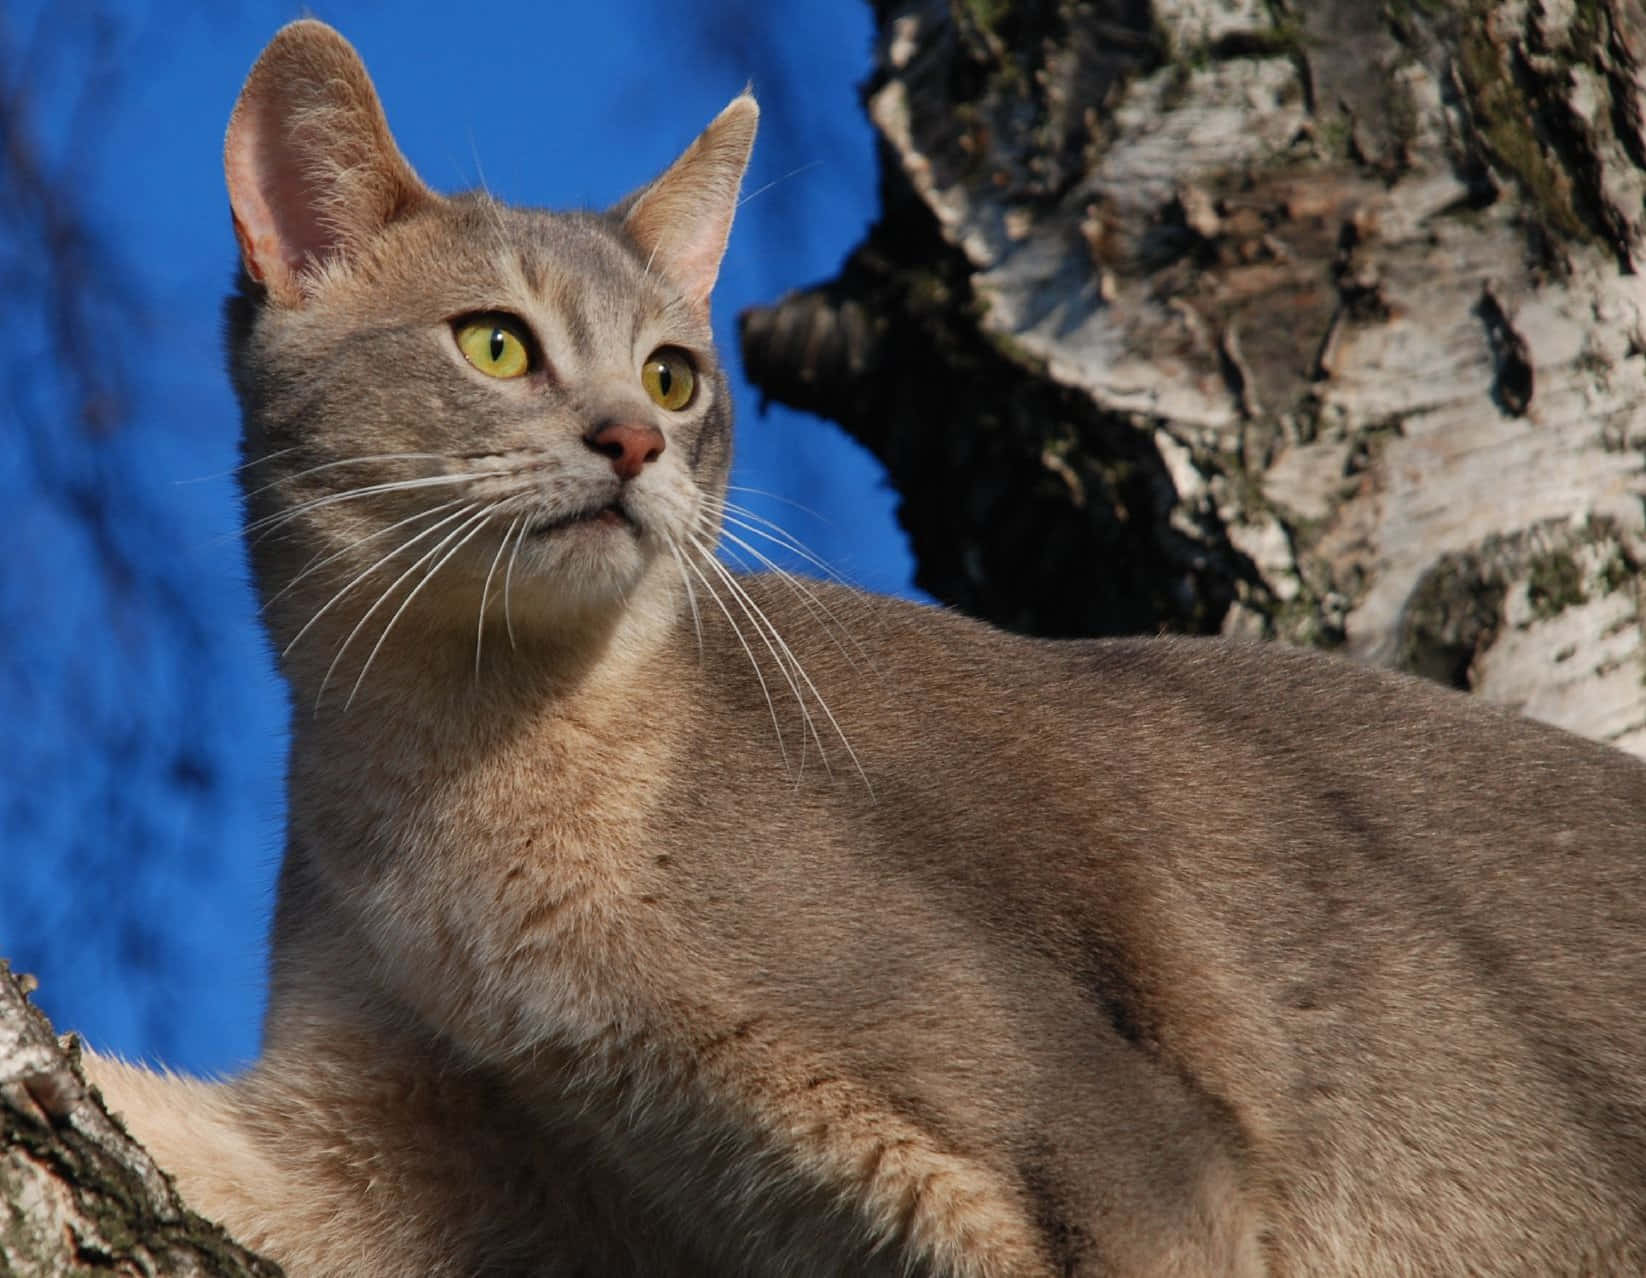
588,562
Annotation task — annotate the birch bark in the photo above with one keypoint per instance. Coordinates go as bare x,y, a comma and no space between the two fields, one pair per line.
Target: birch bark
78,1196
1312,320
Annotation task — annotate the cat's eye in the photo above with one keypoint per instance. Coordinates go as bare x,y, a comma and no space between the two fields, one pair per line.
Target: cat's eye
495,344
669,378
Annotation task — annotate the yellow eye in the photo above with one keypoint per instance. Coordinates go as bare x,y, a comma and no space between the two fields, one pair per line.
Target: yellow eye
669,378
495,345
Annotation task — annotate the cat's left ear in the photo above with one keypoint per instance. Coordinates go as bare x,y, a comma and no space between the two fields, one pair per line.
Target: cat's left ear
682,220
312,168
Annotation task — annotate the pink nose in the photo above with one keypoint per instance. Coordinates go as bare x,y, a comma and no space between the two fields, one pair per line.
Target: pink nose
629,447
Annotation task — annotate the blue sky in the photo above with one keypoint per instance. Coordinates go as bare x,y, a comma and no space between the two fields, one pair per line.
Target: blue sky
140,819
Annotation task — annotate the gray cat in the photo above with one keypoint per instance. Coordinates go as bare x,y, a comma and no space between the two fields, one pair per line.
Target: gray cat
641,918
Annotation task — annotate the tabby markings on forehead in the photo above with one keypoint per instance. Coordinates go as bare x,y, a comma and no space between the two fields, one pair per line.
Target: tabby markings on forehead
554,315
560,290
578,327
532,272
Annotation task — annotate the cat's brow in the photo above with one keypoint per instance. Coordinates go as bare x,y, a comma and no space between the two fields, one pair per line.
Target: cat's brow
579,328
532,272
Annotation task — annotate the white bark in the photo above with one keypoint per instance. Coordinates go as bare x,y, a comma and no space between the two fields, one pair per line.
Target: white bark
1394,347
78,1196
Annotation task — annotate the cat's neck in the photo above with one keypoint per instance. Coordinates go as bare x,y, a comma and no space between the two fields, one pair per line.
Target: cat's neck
440,784
441,669
430,740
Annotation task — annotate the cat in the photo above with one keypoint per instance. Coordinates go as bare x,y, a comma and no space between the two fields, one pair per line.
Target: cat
641,918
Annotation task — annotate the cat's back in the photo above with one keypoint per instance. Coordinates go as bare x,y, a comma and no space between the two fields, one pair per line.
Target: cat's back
903,676
1393,940
1239,767
1234,764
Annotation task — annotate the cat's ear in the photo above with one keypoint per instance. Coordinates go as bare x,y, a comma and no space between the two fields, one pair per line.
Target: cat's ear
313,171
682,220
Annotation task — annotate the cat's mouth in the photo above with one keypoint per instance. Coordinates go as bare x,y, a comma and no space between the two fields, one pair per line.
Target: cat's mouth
610,515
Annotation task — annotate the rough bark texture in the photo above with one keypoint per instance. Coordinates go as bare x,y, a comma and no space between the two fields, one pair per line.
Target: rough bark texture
78,1196
1317,320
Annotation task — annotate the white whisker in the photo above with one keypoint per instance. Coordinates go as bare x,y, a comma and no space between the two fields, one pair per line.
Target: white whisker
474,527
468,516
757,526
269,523
691,596
768,634
494,206
771,707
778,536
737,588
480,627
508,579
345,461
778,497
235,470
355,581
321,561
778,181
823,614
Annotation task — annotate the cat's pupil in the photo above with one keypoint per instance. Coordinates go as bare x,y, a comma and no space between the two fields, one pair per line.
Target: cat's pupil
496,345
665,379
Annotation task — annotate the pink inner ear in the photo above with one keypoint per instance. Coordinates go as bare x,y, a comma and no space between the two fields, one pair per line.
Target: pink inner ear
276,212
312,168
682,220
688,251
300,233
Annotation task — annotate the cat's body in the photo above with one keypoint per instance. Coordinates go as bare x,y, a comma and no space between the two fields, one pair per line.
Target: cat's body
603,947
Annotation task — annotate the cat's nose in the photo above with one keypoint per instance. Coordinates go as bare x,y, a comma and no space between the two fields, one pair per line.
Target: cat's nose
629,447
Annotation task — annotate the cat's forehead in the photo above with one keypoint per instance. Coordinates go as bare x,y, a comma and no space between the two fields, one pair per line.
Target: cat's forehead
581,264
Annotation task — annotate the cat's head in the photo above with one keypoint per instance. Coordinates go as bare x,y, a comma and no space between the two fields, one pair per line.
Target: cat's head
457,405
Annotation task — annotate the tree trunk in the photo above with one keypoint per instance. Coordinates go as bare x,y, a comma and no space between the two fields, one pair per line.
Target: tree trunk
78,1196
1315,320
